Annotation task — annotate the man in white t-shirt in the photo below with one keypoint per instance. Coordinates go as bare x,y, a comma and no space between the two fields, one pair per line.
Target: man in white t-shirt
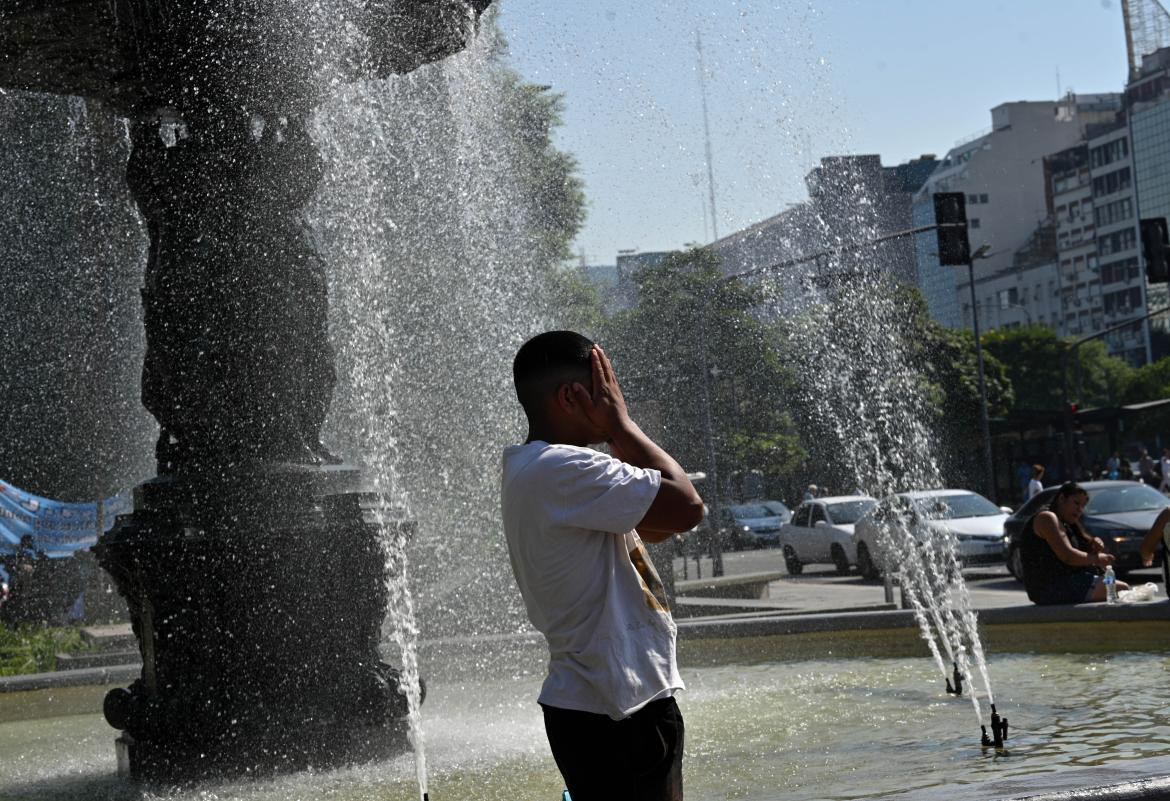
570,514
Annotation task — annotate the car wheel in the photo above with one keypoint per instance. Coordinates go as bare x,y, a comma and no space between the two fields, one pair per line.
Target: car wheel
1015,563
865,563
791,562
840,559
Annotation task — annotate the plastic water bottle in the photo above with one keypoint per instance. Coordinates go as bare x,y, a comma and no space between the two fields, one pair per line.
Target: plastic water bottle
1110,585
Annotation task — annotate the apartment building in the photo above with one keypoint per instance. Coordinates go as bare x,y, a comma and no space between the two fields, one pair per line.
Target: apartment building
1002,174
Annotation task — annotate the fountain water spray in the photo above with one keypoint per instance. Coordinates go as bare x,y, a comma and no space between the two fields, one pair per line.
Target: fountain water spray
433,287
863,389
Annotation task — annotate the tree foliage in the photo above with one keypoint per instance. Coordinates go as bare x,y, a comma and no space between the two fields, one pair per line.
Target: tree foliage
1042,368
1149,382
683,304
904,360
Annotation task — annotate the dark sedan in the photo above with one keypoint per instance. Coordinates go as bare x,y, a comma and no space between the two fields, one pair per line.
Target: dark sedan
1119,512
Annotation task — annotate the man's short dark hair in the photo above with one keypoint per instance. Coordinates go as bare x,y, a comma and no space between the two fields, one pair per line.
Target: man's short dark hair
548,360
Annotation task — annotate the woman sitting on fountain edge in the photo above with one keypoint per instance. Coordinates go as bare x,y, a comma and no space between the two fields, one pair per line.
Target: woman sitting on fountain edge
1061,559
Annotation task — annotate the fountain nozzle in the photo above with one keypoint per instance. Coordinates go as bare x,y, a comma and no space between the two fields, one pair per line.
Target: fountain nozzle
957,688
999,728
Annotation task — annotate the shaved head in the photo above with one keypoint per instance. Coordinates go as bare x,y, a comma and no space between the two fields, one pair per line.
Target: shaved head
546,362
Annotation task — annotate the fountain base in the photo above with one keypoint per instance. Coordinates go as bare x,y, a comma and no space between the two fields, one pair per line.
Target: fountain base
258,604
317,748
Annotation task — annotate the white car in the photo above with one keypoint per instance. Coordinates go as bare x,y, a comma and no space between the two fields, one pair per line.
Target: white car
821,531
976,522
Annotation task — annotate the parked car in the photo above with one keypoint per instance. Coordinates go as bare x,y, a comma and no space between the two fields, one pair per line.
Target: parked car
1119,512
779,509
975,522
749,525
821,531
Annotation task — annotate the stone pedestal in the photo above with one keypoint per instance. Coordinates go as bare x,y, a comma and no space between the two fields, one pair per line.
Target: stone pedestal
258,607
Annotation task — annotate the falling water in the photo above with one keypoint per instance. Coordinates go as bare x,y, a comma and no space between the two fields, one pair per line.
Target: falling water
866,392
73,426
435,267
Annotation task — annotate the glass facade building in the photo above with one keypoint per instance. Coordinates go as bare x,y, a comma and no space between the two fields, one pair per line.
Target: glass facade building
936,281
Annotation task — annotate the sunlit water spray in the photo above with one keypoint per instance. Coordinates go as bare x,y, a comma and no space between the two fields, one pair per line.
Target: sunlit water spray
867,394
436,270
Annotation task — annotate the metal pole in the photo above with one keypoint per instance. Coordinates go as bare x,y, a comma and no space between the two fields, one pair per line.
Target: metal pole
1066,416
983,421
714,518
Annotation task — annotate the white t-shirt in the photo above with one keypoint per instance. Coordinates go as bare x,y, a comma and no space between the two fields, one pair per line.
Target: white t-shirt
587,582
1034,488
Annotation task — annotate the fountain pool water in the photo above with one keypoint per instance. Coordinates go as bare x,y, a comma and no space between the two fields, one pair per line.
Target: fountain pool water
758,727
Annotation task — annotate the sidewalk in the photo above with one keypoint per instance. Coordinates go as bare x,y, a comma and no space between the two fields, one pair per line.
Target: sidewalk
820,589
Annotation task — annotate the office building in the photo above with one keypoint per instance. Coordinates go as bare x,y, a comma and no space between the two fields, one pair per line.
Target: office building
1002,174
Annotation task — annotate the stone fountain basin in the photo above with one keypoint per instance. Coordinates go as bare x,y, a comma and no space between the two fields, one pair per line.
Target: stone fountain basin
840,706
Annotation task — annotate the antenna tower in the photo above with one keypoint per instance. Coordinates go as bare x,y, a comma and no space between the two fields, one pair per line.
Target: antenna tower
1147,29
707,136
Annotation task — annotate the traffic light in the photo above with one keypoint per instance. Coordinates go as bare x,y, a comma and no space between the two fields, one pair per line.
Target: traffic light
950,214
1154,249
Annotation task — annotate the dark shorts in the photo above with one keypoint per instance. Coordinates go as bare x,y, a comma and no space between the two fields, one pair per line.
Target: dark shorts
635,759
1072,588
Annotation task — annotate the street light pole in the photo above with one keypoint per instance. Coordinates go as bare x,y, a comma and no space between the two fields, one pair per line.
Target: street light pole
984,423
714,512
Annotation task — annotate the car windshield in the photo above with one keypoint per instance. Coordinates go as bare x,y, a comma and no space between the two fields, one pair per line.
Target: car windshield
952,507
850,511
749,511
777,508
1129,498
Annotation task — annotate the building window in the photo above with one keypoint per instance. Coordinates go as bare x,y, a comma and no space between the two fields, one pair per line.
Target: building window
1108,153
1112,182
983,197
1125,239
974,222
1117,211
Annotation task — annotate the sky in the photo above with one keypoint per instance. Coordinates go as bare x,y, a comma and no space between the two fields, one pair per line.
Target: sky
788,82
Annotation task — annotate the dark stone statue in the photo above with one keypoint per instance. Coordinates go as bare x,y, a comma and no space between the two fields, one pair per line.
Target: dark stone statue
253,565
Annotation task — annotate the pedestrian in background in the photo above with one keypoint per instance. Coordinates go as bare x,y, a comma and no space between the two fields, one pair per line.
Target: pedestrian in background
1164,484
1146,468
1036,485
1023,476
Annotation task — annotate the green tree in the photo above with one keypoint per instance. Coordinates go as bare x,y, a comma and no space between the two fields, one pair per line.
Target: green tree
1148,382
552,204
1041,366
886,349
548,176
657,347
575,302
